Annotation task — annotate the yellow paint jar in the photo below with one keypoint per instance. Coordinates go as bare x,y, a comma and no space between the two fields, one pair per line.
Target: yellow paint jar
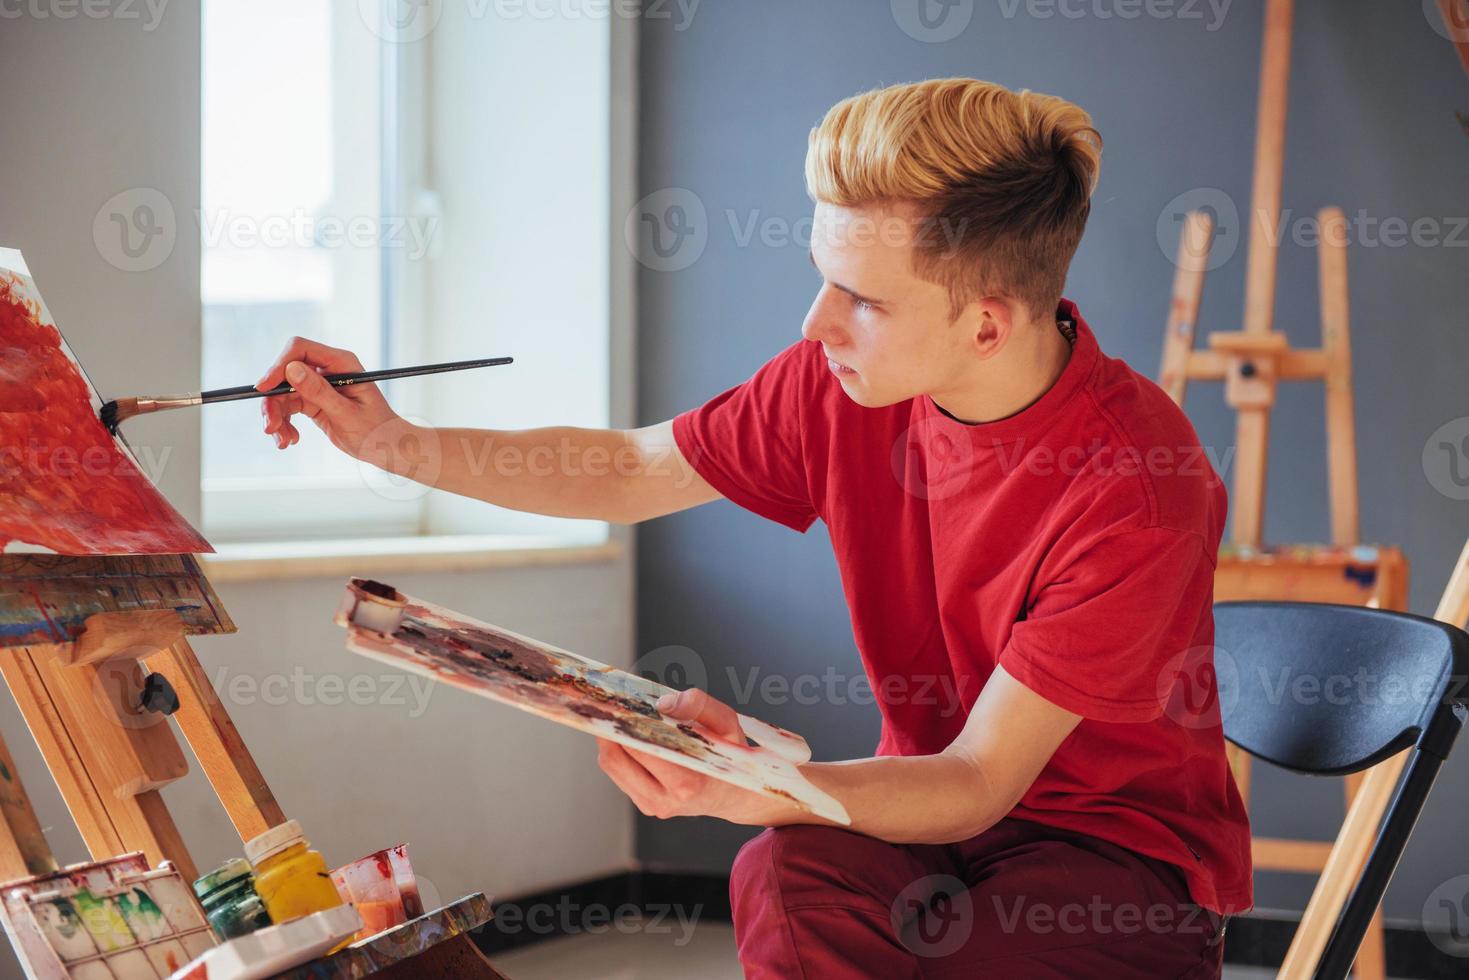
290,878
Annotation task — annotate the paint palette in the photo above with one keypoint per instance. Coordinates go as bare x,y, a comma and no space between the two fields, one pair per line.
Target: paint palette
266,952
574,691
107,920
67,485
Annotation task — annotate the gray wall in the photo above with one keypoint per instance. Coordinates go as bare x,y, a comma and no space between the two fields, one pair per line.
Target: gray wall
726,105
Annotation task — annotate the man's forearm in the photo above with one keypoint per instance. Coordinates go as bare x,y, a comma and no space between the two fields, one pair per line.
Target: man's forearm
595,474
932,799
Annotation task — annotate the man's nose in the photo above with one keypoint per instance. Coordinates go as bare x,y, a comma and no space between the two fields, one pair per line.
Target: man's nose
822,325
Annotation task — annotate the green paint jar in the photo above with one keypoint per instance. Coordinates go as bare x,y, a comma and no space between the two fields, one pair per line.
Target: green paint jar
228,896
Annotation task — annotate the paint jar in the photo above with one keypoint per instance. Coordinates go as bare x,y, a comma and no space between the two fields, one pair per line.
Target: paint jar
290,878
380,886
230,903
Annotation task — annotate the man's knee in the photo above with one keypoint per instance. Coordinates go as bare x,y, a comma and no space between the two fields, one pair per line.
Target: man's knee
806,864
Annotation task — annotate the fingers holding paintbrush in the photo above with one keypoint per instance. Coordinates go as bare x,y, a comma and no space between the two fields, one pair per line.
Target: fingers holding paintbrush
313,397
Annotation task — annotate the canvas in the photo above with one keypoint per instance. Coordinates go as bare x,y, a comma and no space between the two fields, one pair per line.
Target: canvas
583,694
67,485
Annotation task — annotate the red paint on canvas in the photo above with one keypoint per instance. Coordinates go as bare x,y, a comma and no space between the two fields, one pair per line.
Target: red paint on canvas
65,482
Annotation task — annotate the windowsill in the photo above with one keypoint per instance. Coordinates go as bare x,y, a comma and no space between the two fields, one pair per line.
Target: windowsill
260,561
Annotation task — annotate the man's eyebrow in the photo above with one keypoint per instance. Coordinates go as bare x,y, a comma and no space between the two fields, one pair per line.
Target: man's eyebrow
871,301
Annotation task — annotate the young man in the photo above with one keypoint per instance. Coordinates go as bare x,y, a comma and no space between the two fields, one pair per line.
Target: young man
1019,520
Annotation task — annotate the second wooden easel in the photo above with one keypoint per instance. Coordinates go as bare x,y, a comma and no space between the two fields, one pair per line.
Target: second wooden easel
1251,362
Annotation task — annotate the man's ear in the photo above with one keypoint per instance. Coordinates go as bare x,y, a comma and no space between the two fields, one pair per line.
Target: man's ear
989,320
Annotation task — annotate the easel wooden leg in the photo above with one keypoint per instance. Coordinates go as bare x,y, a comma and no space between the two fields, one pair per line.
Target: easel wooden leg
23,848
1364,817
1341,423
62,758
217,744
1183,309
1252,446
107,763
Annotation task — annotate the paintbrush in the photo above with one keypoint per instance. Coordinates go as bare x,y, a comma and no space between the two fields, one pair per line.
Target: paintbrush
119,410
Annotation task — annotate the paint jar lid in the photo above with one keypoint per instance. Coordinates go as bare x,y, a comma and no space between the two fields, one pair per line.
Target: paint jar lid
224,876
273,841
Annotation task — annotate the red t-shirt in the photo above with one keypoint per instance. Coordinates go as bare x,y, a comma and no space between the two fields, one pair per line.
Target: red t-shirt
1073,542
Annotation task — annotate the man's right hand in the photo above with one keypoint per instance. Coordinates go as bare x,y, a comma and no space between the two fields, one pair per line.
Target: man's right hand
356,418
621,476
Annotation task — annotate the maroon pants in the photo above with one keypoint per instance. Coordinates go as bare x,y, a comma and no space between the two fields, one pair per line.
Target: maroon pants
1020,900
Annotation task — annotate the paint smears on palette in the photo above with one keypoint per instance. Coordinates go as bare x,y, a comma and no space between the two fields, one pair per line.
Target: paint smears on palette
67,485
419,636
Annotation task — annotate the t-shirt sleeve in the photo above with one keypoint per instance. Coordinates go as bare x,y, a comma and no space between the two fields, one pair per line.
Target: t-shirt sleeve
1102,631
748,442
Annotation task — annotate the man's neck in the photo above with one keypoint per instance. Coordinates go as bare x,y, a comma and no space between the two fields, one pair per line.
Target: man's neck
1016,379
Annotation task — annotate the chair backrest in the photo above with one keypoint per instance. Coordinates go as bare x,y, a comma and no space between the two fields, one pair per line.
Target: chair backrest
1327,690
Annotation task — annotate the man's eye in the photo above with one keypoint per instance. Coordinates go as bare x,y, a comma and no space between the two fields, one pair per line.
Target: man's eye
863,305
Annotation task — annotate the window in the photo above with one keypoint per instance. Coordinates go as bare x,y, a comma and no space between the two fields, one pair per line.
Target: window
327,147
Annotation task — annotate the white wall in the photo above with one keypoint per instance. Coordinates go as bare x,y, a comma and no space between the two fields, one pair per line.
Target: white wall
489,799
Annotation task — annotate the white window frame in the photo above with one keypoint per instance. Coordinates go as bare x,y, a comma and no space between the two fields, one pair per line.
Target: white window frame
385,508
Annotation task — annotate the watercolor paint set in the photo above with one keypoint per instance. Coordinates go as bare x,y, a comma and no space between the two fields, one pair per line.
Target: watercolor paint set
107,920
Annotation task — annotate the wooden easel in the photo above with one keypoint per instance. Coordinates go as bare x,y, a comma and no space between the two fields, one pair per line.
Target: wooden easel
1251,362
1348,855
111,621
103,632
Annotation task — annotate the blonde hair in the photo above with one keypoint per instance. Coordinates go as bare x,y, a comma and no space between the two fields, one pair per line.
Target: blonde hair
1002,180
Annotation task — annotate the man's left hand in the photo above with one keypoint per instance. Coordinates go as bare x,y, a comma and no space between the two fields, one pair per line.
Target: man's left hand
662,789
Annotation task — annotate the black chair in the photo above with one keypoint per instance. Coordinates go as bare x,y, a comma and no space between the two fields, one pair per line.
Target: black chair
1377,683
